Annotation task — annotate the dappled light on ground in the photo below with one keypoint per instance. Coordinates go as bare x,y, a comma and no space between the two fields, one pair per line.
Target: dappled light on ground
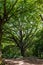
23,62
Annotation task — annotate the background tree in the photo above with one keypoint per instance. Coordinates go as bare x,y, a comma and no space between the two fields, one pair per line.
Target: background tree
24,27
13,9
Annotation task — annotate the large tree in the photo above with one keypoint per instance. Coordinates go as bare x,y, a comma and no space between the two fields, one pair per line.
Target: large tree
24,26
8,9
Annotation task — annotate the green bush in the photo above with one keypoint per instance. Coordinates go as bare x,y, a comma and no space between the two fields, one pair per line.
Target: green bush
38,50
11,52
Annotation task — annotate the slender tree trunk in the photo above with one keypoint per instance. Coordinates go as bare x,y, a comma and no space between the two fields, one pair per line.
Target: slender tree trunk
21,43
0,45
1,59
22,52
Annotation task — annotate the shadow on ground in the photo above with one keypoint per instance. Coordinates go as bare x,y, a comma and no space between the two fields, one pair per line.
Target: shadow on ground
24,61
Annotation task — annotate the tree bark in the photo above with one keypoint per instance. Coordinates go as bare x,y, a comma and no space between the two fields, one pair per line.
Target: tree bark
22,52
0,45
1,59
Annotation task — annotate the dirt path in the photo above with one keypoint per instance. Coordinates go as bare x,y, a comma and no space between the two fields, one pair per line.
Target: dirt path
23,62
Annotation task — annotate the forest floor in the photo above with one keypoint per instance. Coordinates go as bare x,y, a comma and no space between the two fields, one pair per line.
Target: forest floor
25,61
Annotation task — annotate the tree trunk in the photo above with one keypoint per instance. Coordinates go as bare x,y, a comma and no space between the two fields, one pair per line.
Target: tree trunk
0,45
22,52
